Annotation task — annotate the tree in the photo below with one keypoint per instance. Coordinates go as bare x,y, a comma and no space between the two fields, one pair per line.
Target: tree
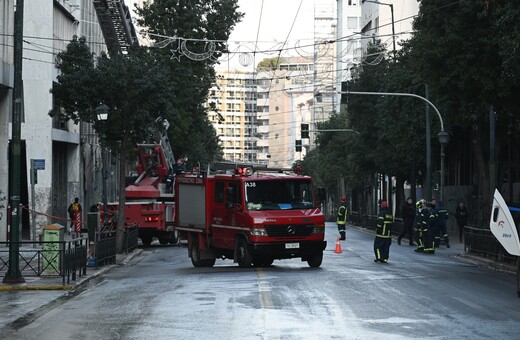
390,130
135,88
269,64
197,26
470,62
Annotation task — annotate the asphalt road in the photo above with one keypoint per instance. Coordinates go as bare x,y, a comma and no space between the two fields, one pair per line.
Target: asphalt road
159,295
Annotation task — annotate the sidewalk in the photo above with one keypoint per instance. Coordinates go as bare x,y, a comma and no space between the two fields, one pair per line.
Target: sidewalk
21,299
56,282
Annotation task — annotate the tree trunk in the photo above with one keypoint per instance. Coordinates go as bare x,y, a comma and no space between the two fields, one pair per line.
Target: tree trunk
484,209
120,233
399,195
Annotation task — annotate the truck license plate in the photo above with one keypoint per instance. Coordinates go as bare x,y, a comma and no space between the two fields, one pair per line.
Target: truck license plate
292,245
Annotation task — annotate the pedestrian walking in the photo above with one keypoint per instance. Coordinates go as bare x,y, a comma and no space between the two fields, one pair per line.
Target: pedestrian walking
461,215
408,214
383,238
341,218
75,210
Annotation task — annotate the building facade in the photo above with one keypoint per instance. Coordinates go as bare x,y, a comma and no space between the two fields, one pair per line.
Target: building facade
232,103
6,87
48,27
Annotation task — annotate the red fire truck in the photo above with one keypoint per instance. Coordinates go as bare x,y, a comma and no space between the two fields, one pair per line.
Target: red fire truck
150,198
252,218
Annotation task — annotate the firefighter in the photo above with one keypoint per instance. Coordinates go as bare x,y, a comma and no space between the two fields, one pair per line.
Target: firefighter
74,209
430,229
442,219
341,219
383,238
421,221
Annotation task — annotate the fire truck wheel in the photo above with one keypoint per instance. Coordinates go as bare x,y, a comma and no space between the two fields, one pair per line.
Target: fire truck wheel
244,256
196,260
195,255
163,241
147,240
315,260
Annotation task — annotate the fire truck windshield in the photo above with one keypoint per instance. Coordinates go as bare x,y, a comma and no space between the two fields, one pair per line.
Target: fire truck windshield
279,194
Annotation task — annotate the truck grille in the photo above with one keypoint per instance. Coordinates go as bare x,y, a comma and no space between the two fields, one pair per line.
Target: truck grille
288,230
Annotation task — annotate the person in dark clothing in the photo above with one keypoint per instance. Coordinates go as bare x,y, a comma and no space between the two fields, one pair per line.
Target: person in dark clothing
461,214
442,219
408,215
383,238
341,219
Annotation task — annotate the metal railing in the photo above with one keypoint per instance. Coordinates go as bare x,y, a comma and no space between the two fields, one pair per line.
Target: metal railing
105,249
66,259
370,221
131,239
483,242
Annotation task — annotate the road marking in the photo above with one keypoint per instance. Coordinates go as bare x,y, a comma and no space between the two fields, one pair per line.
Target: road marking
266,302
467,303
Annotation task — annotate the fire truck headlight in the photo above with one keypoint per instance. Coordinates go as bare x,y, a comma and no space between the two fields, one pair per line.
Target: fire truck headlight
318,228
258,231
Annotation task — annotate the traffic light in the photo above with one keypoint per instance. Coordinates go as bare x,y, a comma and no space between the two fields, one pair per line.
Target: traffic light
305,130
298,145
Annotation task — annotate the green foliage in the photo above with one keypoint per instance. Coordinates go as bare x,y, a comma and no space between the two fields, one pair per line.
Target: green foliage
134,87
470,61
269,64
75,88
191,132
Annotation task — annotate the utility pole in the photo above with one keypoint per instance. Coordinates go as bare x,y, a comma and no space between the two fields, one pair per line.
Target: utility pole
13,274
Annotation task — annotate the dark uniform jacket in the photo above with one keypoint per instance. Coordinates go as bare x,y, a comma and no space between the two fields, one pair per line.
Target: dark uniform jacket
384,223
442,215
423,217
342,214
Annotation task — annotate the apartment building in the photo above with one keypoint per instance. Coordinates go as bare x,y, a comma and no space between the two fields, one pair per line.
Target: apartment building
285,99
48,27
379,20
6,86
234,117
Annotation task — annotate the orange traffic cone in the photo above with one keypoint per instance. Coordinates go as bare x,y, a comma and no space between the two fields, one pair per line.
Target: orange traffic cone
338,247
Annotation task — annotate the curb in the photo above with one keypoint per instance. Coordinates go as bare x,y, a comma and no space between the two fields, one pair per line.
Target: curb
490,264
19,288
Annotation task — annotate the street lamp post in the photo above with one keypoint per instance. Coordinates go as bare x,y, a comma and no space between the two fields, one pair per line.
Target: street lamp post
393,24
102,116
443,139
14,275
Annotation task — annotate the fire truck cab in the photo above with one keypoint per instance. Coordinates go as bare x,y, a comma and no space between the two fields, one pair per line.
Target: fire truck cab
252,218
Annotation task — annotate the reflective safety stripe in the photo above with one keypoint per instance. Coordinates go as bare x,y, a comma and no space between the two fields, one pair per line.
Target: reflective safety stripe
378,254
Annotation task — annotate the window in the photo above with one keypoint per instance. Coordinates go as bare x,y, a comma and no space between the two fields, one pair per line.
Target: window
352,23
276,195
219,192
234,192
